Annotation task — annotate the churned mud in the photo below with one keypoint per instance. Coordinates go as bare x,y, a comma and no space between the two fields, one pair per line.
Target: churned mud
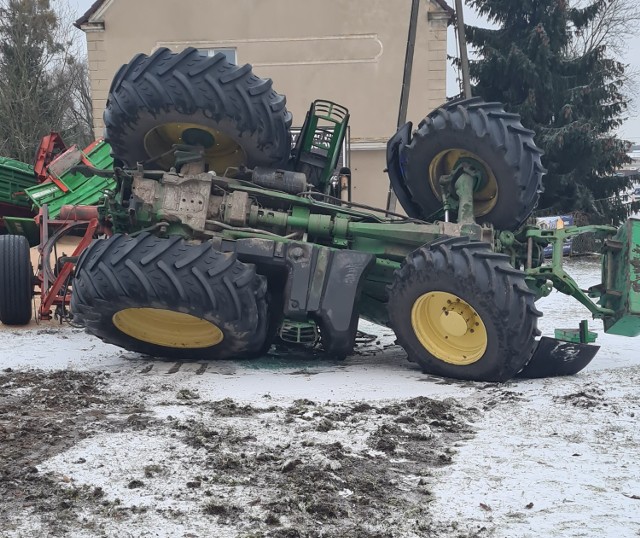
41,415
75,459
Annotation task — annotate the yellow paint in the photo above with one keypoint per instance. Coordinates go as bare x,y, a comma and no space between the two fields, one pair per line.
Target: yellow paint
224,153
485,199
167,328
449,328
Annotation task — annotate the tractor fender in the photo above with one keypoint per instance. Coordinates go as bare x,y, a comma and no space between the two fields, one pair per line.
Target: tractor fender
321,282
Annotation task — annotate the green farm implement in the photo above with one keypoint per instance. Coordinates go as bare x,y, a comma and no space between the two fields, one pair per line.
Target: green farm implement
220,240
15,178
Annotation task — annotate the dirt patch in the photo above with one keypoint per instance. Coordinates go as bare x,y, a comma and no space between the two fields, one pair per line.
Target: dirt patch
587,398
41,415
77,459
317,470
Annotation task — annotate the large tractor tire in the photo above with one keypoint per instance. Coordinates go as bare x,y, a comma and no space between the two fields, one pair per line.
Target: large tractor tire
165,298
16,280
187,98
460,310
490,137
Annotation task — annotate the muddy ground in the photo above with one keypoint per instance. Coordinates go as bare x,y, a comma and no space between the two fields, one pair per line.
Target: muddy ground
217,467
95,441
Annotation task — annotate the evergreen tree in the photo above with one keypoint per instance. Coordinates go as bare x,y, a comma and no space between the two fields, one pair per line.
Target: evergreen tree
572,98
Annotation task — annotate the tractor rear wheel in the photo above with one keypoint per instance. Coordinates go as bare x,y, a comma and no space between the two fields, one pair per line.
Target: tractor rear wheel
494,141
188,98
16,280
165,298
462,311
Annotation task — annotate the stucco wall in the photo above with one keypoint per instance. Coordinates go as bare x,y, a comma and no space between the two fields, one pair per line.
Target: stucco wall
348,51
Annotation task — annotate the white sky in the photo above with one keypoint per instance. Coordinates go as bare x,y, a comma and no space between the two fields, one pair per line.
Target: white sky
630,130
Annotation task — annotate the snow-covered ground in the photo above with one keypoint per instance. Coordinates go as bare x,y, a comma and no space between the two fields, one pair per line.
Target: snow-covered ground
101,442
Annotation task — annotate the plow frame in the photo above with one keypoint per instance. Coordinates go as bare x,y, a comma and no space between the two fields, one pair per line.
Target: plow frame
53,288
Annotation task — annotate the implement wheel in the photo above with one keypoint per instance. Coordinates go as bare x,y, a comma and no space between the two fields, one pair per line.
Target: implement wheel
188,98
16,280
460,310
164,298
490,138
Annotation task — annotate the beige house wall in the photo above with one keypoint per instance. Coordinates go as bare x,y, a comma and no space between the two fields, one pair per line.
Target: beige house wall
348,51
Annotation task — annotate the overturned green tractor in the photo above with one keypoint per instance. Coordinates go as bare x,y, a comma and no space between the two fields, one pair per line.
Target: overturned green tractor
222,239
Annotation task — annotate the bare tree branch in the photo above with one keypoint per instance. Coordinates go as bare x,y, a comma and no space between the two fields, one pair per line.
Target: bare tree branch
44,85
616,24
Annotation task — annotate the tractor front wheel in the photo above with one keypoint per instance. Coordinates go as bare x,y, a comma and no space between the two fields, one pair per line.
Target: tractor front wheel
462,311
499,147
16,280
165,298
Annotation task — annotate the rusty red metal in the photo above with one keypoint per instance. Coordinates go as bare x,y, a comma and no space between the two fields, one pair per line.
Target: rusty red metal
78,212
53,156
54,287
51,147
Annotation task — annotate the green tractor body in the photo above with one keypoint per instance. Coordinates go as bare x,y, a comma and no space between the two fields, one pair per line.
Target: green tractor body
224,241
620,292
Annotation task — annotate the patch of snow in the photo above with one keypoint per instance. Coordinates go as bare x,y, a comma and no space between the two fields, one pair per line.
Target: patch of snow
556,463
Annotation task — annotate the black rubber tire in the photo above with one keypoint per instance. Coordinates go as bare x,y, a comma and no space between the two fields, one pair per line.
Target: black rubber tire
16,280
191,88
487,282
149,272
497,138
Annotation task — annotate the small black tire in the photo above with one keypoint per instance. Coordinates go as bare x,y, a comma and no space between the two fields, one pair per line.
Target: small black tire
203,304
191,89
489,135
16,280
493,290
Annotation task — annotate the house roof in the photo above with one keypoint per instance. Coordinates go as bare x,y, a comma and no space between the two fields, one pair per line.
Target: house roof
98,4
89,13
446,7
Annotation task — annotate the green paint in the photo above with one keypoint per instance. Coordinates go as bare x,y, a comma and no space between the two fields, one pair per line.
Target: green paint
464,189
82,190
320,142
15,178
25,227
621,280
562,281
582,335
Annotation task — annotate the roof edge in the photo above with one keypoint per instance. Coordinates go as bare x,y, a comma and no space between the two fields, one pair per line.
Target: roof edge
84,19
90,13
445,7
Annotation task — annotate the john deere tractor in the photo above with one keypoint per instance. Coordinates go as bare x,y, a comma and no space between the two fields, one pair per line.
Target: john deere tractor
224,237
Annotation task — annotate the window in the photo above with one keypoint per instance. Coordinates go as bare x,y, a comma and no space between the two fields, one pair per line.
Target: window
229,54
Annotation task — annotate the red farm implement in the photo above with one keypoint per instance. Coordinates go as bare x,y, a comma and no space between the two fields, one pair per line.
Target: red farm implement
64,201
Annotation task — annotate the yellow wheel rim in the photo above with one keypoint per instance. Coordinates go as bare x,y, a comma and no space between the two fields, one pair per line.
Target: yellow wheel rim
449,328
167,328
445,162
220,150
